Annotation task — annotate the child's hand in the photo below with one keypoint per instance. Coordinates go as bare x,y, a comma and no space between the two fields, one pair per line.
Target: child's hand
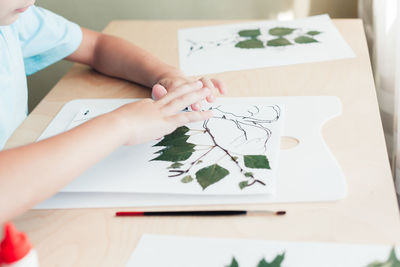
171,82
147,119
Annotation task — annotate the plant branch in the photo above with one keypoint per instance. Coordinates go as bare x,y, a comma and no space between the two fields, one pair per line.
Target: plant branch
180,172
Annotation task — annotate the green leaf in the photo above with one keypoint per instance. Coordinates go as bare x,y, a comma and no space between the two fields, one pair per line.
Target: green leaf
187,179
279,42
392,261
250,33
171,139
210,175
275,263
175,165
234,263
176,153
177,147
249,174
305,40
262,263
243,184
393,258
251,43
280,31
313,33
256,162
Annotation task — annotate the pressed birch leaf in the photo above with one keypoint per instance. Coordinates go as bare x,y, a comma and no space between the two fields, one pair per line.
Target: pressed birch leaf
305,40
187,179
179,140
234,263
248,174
280,31
243,184
178,133
176,147
251,43
210,175
279,42
250,33
180,147
313,33
275,263
392,261
175,165
263,263
256,162
176,153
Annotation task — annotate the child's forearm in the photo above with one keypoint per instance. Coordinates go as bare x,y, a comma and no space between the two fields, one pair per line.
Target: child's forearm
119,58
32,173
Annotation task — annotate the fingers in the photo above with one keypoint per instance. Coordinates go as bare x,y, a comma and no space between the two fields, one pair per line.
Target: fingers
214,85
188,117
185,100
220,86
208,83
158,91
184,89
196,106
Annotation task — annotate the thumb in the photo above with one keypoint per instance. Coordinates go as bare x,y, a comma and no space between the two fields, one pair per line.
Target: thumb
158,91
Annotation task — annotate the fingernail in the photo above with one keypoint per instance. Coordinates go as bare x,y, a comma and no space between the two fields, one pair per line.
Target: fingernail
197,106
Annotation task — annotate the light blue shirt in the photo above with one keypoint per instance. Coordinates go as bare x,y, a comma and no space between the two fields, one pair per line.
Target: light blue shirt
36,40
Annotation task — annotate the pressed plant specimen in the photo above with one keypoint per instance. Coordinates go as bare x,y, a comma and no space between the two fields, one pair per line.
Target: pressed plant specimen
276,262
259,38
189,160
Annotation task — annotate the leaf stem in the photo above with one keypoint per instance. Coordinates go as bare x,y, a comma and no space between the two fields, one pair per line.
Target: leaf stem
180,172
197,130
227,153
220,147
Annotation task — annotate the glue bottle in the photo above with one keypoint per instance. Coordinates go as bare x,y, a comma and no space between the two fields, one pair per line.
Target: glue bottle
16,250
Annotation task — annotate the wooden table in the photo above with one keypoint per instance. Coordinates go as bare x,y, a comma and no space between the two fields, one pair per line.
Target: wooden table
94,237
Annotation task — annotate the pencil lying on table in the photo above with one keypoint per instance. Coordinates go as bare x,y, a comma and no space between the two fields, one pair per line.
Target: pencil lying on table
200,213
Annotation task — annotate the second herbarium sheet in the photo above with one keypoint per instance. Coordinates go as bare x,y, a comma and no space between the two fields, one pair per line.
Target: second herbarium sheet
229,47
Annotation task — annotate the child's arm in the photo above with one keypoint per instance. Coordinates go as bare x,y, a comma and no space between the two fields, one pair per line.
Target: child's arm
32,173
119,58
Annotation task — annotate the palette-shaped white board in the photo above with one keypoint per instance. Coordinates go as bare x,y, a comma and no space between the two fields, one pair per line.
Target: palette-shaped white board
157,250
307,172
221,48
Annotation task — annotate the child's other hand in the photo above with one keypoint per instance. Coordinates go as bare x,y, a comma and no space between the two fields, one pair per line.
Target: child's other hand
172,82
149,119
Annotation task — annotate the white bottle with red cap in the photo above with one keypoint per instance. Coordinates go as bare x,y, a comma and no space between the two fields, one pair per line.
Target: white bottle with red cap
16,250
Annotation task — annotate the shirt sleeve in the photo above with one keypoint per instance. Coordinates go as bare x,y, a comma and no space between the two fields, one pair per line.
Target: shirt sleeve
45,38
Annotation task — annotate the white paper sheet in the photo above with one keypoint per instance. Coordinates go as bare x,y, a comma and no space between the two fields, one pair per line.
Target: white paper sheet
155,250
205,50
245,132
